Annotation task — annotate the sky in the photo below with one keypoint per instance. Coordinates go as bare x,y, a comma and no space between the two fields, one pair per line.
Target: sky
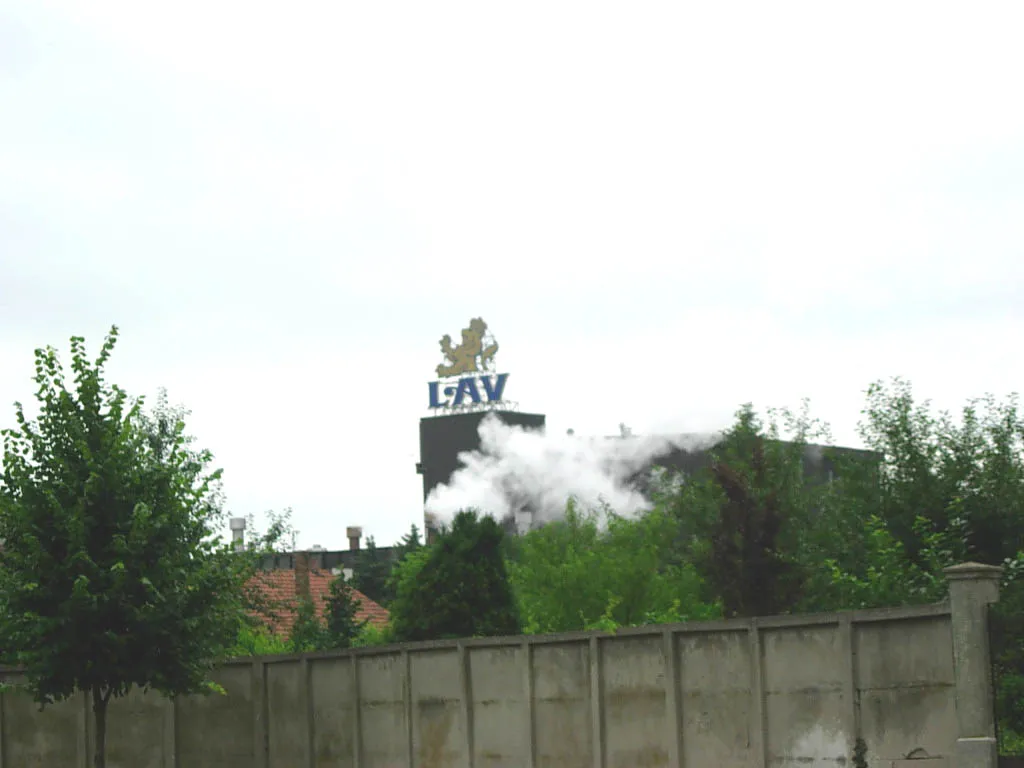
662,210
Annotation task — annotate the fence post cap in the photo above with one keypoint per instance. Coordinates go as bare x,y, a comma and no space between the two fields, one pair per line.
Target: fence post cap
976,571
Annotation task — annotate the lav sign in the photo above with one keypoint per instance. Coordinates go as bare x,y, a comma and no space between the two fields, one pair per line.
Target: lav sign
468,391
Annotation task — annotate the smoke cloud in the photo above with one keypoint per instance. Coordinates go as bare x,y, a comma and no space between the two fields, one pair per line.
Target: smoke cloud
517,470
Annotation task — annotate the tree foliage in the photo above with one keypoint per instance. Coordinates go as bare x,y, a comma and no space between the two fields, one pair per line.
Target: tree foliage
457,588
308,633
257,640
738,520
410,542
595,568
111,576
342,625
371,572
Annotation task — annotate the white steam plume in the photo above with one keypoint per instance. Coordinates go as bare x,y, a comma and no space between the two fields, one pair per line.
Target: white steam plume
517,470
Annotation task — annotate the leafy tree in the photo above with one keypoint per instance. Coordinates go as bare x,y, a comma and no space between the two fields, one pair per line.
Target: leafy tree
573,574
738,521
308,632
371,572
964,476
409,545
257,640
280,535
410,542
371,635
457,588
343,627
405,578
945,490
112,576
889,576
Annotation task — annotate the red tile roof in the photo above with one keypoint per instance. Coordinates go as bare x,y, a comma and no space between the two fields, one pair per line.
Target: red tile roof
279,589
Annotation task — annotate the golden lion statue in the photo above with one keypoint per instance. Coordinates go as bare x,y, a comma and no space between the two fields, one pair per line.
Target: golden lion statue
463,358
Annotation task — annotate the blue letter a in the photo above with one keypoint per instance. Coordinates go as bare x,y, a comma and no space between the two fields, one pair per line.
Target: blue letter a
466,387
494,391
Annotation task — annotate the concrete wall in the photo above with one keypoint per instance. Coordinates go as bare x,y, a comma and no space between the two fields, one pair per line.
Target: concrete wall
790,691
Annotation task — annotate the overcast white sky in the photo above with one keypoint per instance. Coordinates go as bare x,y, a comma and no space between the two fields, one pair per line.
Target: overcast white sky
662,211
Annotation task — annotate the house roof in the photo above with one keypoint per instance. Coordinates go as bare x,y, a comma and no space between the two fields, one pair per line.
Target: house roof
280,590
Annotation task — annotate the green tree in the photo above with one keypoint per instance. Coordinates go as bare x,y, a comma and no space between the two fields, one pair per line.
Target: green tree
965,476
343,624
942,491
406,575
308,632
738,520
410,542
256,640
597,569
371,572
280,535
458,587
112,576
409,545
889,577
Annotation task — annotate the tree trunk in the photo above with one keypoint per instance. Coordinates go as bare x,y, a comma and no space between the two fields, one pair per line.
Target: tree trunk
99,708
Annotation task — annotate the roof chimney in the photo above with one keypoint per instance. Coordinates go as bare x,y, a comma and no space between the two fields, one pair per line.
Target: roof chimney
302,574
354,533
238,532
429,528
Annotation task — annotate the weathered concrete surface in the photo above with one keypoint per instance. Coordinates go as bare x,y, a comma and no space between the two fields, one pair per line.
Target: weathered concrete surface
905,678
563,727
382,712
439,733
785,691
218,731
803,696
498,680
716,671
634,689
137,730
35,739
972,588
288,715
334,697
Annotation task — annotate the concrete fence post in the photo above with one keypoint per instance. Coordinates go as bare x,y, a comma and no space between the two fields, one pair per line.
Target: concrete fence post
170,732
3,726
260,712
972,588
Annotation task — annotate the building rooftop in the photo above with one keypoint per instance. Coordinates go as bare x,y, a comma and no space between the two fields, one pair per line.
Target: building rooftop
282,589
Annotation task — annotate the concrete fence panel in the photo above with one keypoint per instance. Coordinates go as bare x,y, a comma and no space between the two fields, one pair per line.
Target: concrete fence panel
335,702
140,735
212,731
803,675
634,691
720,721
564,732
501,706
386,730
905,681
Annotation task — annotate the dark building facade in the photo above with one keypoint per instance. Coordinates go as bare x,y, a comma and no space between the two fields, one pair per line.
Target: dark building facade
443,438
334,561
820,461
